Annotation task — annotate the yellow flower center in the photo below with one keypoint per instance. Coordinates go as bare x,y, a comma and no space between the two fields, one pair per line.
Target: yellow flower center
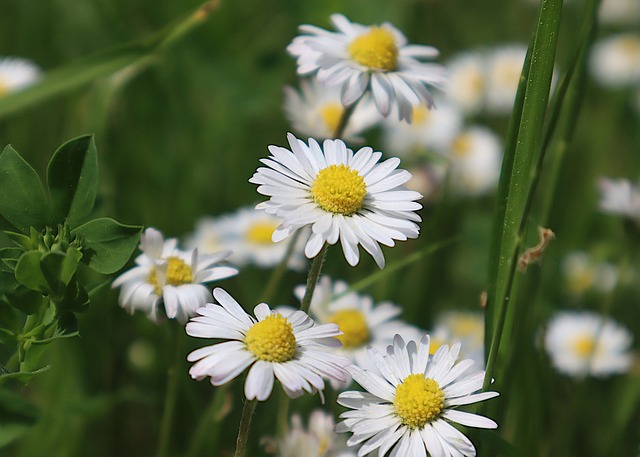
4,87
261,232
330,114
581,281
353,326
178,273
339,190
630,45
584,345
272,339
435,345
461,146
375,49
418,400
421,115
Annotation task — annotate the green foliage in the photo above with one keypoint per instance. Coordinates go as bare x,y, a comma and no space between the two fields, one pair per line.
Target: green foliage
17,415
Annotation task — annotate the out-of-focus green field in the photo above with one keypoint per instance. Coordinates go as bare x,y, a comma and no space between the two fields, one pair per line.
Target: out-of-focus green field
180,140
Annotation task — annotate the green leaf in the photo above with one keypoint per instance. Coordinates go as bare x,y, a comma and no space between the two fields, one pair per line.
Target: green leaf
17,415
72,176
29,273
23,202
20,239
24,376
58,268
24,299
75,298
107,244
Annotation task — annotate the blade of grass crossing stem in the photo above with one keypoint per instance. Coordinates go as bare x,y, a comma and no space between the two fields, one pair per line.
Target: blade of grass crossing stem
528,142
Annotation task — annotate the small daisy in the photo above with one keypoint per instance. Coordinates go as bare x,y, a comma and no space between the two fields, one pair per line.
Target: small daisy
166,275
247,233
582,274
431,130
504,65
316,109
467,83
340,195
318,441
363,324
409,409
476,158
615,60
291,349
377,58
624,12
585,343
620,197
16,74
467,327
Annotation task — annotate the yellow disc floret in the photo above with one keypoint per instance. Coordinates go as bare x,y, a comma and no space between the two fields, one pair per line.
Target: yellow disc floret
178,273
339,190
353,326
330,114
376,49
4,87
261,232
462,145
421,116
272,339
418,400
584,345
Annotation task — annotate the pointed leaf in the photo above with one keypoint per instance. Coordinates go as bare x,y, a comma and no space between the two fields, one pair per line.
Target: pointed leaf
28,272
58,268
72,177
23,202
107,244
21,240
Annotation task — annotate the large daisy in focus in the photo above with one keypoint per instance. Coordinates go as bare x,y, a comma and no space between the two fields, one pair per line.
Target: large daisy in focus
166,275
292,349
409,409
376,58
340,195
16,74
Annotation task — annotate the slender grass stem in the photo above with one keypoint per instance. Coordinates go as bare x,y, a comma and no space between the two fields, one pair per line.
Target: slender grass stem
170,398
245,426
278,273
312,278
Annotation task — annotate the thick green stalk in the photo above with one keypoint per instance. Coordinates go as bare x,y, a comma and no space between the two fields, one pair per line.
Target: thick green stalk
245,426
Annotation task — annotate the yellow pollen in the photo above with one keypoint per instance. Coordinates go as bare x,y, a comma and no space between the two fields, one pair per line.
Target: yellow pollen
435,345
261,232
461,146
630,45
418,400
421,115
376,49
272,339
178,273
581,281
353,326
584,346
330,114
339,190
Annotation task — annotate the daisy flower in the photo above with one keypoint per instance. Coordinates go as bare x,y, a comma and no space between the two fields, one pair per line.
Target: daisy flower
362,322
318,441
615,60
409,409
467,327
340,195
316,110
504,66
247,233
585,343
167,276
620,197
376,58
16,74
615,12
467,83
582,273
291,349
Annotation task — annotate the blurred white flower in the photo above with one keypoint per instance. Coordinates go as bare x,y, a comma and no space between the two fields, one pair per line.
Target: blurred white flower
166,275
16,74
468,82
475,159
247,233
586,343
292,349
465,327
619,197
318,441
619,12
362,58
316,109
615,60
583,274
504,66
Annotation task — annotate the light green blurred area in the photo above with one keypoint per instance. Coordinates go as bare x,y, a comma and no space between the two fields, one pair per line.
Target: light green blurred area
180,141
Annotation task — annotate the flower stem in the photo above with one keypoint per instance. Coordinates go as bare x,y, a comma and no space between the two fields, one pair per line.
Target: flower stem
209,426
245,425
171,393
312,279
344,119
278,273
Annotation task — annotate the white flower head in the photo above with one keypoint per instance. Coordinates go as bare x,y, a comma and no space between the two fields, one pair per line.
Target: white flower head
431,130
467,85
16,74
376,58
167,275
247,233
620,197
292,349
585,343
583,273
504,67
466,327
319,440
316,110
475,160
623,12
615,60
340,195
362,322
409,409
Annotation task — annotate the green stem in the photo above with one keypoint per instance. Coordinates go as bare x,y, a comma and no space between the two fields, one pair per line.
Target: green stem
312,279
344,119
278,273
283,414
245,425
171,393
